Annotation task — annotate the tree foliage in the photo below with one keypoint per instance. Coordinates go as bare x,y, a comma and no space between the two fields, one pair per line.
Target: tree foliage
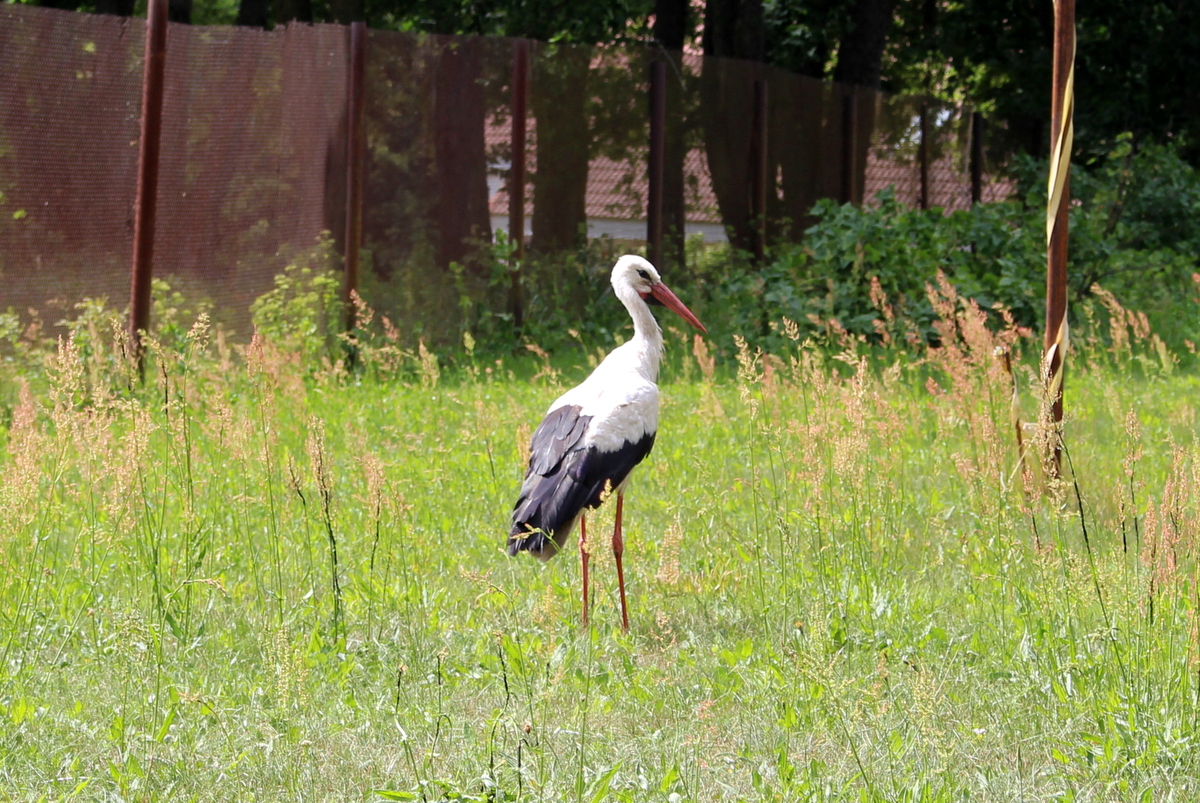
1132,63
1133,59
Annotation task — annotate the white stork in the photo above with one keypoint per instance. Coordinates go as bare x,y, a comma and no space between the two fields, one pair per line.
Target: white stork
595,433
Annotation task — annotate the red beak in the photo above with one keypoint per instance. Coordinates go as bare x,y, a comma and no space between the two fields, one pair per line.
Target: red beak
663,295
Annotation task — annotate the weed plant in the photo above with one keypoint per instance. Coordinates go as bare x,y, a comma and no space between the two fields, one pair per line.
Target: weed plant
852,574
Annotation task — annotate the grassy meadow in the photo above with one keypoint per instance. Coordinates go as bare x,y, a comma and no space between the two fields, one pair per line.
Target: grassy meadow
261,576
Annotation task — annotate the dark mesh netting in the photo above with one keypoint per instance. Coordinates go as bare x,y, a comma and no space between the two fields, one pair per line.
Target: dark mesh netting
250,146
437,148
69,107
254,156
252,149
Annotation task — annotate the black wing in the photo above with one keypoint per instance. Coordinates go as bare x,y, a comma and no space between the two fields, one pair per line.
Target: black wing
563,479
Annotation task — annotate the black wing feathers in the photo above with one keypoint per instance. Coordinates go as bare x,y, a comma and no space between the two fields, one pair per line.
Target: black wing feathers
563,479
558,433
555,438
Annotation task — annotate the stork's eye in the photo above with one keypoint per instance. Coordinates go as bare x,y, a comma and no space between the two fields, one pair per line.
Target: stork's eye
643,274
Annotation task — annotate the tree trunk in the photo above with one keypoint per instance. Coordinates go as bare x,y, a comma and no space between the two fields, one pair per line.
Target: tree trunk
806,152
253,13
727,107
671,23
860,60
674,153
671,27
860,56
559,105
346,11
120,8
288,10
733,29
179,11
461,206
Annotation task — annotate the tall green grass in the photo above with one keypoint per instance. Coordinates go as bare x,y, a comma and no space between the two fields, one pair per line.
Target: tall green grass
265,578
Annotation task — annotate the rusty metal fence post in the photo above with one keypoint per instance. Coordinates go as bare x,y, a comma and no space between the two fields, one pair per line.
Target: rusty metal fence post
516,178
976,158
146,204
355,156
655,161
1062,105
758,170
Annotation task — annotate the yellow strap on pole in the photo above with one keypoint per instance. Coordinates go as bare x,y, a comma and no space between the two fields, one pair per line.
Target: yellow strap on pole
1060,163
1059,348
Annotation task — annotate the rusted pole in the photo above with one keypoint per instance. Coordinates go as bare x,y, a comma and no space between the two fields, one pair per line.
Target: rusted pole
976,158
516,178
849,125
758,170
1062,135
655,161
146,204
923,154
356,142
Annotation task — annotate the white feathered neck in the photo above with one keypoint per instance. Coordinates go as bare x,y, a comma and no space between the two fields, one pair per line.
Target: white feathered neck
646,347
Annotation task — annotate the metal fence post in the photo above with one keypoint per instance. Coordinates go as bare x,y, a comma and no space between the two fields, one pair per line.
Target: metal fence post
355,155
1062,133
516,177
758,170
976,158
656,160
146,204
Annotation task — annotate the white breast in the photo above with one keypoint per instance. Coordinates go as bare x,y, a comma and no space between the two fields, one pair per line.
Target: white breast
622,402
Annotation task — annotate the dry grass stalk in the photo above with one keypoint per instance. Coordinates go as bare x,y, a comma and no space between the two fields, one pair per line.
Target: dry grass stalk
318,455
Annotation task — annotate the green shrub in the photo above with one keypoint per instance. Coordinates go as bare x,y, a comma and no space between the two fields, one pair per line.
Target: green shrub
302,313
1135,230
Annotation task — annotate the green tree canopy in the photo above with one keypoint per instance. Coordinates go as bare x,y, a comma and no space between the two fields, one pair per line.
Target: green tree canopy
1135,61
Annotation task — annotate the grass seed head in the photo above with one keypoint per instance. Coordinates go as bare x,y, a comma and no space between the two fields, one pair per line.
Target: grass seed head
523,445
706,361
668,566
21,477
430,371
289,670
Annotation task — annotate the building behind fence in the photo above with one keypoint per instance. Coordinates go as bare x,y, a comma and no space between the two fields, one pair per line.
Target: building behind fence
254,157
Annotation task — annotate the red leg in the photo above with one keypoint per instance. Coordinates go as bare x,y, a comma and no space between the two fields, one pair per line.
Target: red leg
583,554
618,550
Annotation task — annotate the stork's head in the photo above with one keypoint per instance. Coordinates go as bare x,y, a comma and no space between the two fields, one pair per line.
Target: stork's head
635,273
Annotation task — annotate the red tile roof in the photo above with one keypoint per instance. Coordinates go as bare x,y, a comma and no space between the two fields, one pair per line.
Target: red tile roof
617,189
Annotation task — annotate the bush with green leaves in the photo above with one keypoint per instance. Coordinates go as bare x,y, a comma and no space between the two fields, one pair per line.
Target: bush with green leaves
1134,225
1135,230
303,311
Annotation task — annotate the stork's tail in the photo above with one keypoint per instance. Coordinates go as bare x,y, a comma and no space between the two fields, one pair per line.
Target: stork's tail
546,513
537,541
524,538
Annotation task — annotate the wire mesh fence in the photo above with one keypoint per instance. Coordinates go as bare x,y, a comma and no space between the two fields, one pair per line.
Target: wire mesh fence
255,143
